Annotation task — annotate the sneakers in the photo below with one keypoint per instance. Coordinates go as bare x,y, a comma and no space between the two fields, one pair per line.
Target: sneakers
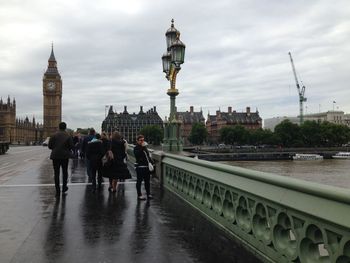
64,189
141,197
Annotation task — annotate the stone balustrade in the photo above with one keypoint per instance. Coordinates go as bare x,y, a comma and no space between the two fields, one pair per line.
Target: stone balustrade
280,219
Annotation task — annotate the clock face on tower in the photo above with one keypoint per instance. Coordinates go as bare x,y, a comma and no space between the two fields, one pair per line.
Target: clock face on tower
51,86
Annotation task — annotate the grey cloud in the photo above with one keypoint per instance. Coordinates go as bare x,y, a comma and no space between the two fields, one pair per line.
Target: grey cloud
236,55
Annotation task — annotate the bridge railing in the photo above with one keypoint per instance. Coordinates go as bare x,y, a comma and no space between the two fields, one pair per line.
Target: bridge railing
280,219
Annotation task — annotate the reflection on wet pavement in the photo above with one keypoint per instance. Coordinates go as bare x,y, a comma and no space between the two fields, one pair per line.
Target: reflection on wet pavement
103,227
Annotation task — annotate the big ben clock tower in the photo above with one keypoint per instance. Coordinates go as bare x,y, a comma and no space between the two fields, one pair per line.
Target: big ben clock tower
52,92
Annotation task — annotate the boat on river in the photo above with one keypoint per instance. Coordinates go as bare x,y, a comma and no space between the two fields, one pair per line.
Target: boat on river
307,157
342,155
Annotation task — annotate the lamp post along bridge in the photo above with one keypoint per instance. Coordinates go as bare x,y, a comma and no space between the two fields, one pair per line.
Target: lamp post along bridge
172,59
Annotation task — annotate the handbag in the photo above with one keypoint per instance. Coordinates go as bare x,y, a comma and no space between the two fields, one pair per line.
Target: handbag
150,165
104,160
107,159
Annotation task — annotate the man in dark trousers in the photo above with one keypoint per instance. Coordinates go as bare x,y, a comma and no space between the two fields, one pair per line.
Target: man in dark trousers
86,140
142,171
61,145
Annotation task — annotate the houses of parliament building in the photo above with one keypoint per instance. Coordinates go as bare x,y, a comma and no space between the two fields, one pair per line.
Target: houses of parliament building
25,131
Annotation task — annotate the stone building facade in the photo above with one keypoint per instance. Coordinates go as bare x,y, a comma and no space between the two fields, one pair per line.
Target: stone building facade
249,120
336,117
188,118
15,130
52,97
129,125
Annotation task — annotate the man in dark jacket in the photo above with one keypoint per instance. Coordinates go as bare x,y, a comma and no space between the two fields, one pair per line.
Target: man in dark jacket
61,145
86,140
94,153
142,171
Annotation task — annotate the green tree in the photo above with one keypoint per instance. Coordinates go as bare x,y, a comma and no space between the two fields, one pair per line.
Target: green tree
261,136
153,134
198,134
234,135
289,133
311,133
226,135
333,134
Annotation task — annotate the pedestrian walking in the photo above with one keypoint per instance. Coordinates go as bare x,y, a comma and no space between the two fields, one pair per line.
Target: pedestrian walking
76,144
61,144
119,168
106,146
94,153
83,149
142,167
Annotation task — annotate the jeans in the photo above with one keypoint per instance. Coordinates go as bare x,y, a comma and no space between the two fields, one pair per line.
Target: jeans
57,163
96,170
88,169
143,174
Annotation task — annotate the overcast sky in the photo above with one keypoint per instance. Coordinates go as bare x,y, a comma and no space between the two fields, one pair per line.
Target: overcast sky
109,53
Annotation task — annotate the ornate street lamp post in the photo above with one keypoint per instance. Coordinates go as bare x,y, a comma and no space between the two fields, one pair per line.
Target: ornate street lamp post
172,59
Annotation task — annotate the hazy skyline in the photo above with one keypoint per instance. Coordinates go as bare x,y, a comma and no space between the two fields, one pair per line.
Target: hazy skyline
109,53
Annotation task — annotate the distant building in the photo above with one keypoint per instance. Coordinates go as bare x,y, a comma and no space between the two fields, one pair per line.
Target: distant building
249,120
336,117
16,130
52,97
129,125
188,118
271,123
347,119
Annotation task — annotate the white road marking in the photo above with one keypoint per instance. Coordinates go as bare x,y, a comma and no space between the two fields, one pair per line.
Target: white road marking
14,152
30,159
12,164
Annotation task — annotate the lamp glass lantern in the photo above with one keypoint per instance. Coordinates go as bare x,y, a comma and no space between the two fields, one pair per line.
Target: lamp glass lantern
170,36
177,50
166,62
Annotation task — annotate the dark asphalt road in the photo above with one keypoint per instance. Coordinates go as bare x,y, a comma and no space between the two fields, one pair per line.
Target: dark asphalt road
102,227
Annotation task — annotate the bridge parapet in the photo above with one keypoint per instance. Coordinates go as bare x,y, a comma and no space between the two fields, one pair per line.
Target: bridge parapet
278,218
281,219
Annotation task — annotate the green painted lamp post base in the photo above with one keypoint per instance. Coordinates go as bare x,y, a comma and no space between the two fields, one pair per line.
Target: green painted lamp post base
172,142
172,145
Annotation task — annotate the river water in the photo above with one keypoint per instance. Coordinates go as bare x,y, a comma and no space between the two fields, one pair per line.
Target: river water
329,172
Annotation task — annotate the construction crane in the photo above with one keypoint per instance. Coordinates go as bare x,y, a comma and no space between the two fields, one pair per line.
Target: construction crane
301,92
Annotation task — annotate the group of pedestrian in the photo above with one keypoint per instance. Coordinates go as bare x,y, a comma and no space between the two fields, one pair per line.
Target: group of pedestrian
104,156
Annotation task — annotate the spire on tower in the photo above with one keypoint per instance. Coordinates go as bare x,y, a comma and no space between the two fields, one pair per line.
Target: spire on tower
52,56
52,66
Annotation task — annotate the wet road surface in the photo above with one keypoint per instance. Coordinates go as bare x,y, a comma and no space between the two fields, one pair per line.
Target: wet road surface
82,226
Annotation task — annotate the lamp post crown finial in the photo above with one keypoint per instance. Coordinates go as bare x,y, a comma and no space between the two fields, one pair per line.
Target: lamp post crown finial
172,22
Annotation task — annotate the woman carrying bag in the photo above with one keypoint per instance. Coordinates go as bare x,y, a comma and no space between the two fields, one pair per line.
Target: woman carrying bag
144,164
119,169
107,159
